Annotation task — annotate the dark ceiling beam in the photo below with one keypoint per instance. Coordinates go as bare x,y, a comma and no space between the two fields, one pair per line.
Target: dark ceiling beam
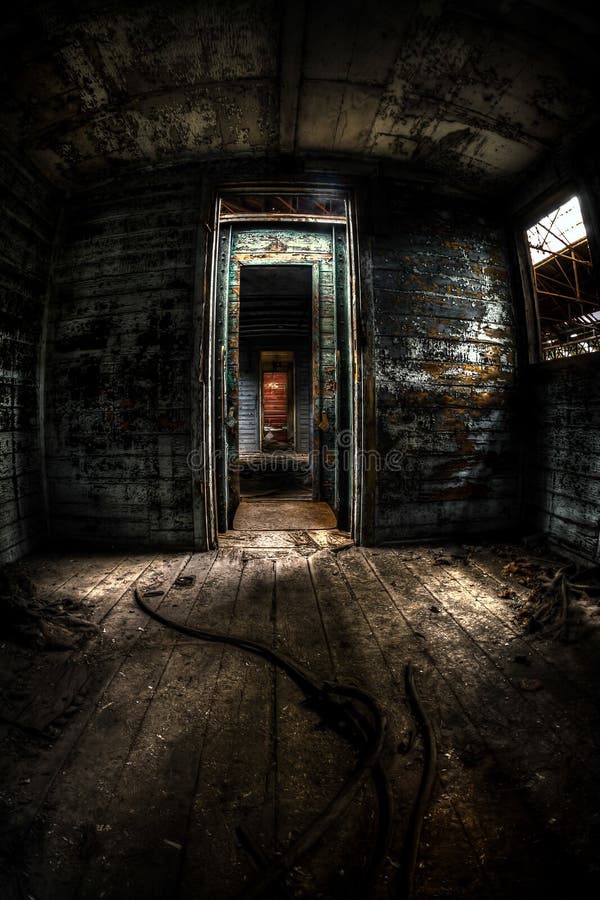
293,26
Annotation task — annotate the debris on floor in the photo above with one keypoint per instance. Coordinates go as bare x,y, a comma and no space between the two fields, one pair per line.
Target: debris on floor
46,623
563,602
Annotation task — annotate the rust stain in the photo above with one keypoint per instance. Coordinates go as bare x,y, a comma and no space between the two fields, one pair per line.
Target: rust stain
497,332
467,373
494,272
454,415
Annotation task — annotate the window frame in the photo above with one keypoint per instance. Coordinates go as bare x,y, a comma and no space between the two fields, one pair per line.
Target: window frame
542,206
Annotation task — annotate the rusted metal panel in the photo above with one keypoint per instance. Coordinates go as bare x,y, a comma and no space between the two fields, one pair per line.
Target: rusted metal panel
27,228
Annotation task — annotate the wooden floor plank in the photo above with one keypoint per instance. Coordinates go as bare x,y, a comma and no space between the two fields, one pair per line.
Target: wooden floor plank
515,755
288,515
312,760
235,784
331,539
121,631
50,573
276,540
357,659
574,661
398,645
179,742
85,790
505,647
159,773
105,595
122,625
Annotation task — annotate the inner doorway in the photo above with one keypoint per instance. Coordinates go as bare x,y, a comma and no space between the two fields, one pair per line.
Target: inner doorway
275,330
285,365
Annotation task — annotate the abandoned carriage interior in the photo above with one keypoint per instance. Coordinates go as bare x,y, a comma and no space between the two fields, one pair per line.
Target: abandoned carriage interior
300,449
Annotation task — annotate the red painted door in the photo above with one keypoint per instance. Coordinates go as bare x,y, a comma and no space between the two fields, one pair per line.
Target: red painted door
275,408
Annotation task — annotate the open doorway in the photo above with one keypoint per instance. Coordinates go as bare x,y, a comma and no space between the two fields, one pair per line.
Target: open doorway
283,329
275,329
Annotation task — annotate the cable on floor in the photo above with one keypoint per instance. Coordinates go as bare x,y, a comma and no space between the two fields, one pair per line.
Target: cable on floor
334,701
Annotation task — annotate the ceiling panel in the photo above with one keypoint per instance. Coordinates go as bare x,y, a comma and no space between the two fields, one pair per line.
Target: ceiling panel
479,90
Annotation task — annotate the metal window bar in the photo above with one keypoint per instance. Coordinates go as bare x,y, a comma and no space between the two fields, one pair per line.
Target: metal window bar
567,303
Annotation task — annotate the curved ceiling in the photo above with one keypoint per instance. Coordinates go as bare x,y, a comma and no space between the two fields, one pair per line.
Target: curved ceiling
475,91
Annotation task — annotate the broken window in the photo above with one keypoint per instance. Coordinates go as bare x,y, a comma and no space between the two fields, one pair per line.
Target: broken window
255,206
566,297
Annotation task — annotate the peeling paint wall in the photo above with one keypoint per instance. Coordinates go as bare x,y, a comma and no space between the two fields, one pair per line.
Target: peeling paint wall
445,371
119,366
27,226
119,371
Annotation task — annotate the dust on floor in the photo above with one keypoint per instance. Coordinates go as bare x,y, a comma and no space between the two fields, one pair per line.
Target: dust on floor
143,763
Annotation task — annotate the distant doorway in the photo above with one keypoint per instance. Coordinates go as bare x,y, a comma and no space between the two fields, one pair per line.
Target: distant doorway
277,406
274,403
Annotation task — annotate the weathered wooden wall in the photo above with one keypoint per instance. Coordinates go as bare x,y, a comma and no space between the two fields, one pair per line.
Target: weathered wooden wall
445,370
563,458
119,372
303,410
119,366
249,393
560,398
29,210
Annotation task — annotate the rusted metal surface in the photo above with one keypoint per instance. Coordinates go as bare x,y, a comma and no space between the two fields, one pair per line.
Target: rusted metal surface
27,226
445,369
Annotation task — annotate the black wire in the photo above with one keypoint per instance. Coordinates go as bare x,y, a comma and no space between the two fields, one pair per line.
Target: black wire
415,825
326,695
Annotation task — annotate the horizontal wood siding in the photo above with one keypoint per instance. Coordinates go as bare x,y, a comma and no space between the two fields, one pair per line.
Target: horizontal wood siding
303,381
119,373
248,402
29,210
563,460
445,372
